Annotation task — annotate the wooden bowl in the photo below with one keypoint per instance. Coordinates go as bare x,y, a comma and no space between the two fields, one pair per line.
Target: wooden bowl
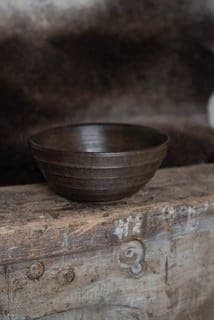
98,162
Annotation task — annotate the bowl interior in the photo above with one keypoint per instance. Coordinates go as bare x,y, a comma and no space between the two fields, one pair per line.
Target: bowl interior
100,138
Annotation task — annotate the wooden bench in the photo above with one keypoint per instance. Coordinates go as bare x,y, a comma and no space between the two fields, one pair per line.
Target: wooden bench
147,257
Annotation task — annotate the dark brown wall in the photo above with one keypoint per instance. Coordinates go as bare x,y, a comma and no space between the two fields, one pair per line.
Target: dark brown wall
98,60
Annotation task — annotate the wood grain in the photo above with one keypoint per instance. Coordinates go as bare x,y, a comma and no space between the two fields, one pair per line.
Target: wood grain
178,280
4,302
173,219
36,223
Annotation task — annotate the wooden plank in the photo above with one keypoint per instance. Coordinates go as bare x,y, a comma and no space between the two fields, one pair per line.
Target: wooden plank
4,298
176,281
96,313
35,223
169,225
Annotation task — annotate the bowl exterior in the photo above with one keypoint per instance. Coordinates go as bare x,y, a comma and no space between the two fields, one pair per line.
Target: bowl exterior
98,177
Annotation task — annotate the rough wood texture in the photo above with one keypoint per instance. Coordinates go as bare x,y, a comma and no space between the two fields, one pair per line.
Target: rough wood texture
172,220
3,292
178,280
37,223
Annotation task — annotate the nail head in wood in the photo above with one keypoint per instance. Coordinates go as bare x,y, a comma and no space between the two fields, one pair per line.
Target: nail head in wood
66,275
36,270
131,258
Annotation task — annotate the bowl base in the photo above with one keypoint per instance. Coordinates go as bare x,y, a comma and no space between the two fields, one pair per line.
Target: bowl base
94,197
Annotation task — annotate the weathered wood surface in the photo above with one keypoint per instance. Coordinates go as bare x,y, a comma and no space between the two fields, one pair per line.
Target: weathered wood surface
177,281
4,293
172,222
36,223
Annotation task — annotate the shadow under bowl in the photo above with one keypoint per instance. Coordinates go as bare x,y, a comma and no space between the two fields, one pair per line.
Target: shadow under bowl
98,162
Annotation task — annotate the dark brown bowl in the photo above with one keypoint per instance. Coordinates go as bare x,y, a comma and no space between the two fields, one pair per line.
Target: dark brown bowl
98,162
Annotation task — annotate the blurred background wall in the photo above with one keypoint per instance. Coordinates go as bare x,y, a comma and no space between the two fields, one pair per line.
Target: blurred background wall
102,60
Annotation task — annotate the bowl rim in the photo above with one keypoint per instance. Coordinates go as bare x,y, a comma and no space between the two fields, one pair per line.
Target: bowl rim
41,147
